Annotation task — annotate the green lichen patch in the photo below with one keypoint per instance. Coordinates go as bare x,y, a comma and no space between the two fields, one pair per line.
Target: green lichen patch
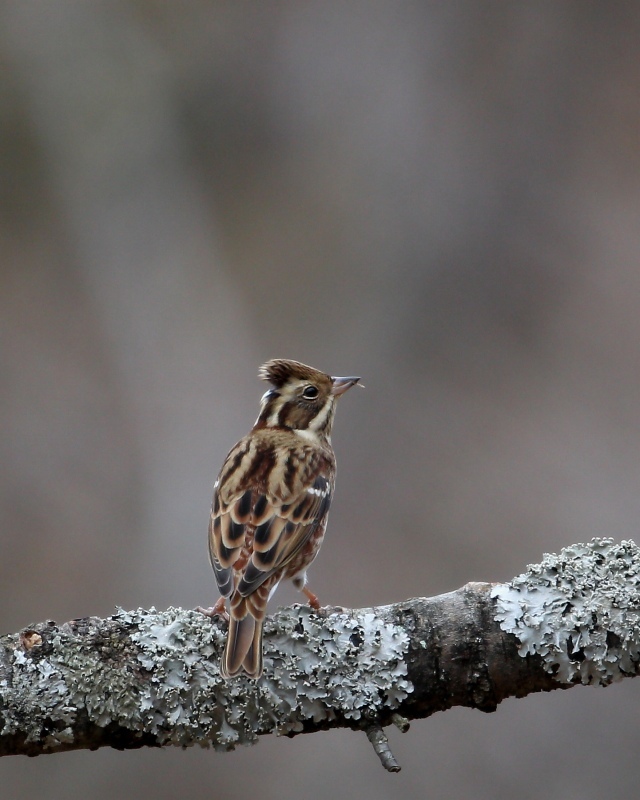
80,666
579,611
316,668
178,653
346,665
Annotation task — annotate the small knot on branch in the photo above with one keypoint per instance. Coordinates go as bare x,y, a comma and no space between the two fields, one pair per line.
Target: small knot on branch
401,723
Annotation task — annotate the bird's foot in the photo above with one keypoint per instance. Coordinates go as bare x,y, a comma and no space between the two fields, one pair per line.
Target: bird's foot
321,611
217,610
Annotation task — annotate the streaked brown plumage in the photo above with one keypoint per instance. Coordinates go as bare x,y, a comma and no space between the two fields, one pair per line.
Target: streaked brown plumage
270,503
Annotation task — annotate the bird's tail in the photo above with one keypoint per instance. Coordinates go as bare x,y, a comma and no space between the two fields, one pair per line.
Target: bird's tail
243,651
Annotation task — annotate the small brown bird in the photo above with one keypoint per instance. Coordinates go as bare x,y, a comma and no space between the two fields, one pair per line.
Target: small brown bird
270,503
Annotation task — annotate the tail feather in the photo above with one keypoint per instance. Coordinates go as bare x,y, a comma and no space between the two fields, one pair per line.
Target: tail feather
243,651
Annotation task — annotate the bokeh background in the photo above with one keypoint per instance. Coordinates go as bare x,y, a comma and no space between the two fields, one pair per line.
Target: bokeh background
441,197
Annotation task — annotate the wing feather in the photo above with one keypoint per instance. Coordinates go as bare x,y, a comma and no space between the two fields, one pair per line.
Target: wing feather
281,528
292,534
242,508
267,534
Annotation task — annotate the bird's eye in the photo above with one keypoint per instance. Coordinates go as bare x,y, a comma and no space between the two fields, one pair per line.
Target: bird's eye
310,392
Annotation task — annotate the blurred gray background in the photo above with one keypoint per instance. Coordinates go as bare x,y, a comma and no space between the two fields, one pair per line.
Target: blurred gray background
441,197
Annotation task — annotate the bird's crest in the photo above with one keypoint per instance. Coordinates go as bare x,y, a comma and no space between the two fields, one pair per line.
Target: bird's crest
280,370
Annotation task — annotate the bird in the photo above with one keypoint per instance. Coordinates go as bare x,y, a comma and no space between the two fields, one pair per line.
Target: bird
271,503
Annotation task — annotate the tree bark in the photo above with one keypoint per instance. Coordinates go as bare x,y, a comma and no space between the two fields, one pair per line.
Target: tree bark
148,678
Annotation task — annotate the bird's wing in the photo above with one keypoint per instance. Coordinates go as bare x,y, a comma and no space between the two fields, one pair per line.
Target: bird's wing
281,529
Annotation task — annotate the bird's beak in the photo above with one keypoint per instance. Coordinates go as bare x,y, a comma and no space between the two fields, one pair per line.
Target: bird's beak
340,385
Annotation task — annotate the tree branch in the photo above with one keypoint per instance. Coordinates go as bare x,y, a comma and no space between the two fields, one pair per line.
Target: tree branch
148,678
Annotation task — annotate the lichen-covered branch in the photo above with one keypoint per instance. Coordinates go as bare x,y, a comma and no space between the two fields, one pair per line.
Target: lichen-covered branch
148,678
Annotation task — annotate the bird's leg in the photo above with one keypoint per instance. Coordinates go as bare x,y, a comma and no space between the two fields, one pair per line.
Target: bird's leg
300,582
312,598
217,610
323,611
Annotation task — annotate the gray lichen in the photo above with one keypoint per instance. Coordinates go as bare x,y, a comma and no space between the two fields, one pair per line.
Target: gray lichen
156,674
579,610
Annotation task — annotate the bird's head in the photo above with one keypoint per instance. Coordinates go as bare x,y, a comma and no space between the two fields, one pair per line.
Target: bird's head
301,398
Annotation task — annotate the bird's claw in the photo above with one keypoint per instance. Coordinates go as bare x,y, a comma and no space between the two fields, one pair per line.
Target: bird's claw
217,610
